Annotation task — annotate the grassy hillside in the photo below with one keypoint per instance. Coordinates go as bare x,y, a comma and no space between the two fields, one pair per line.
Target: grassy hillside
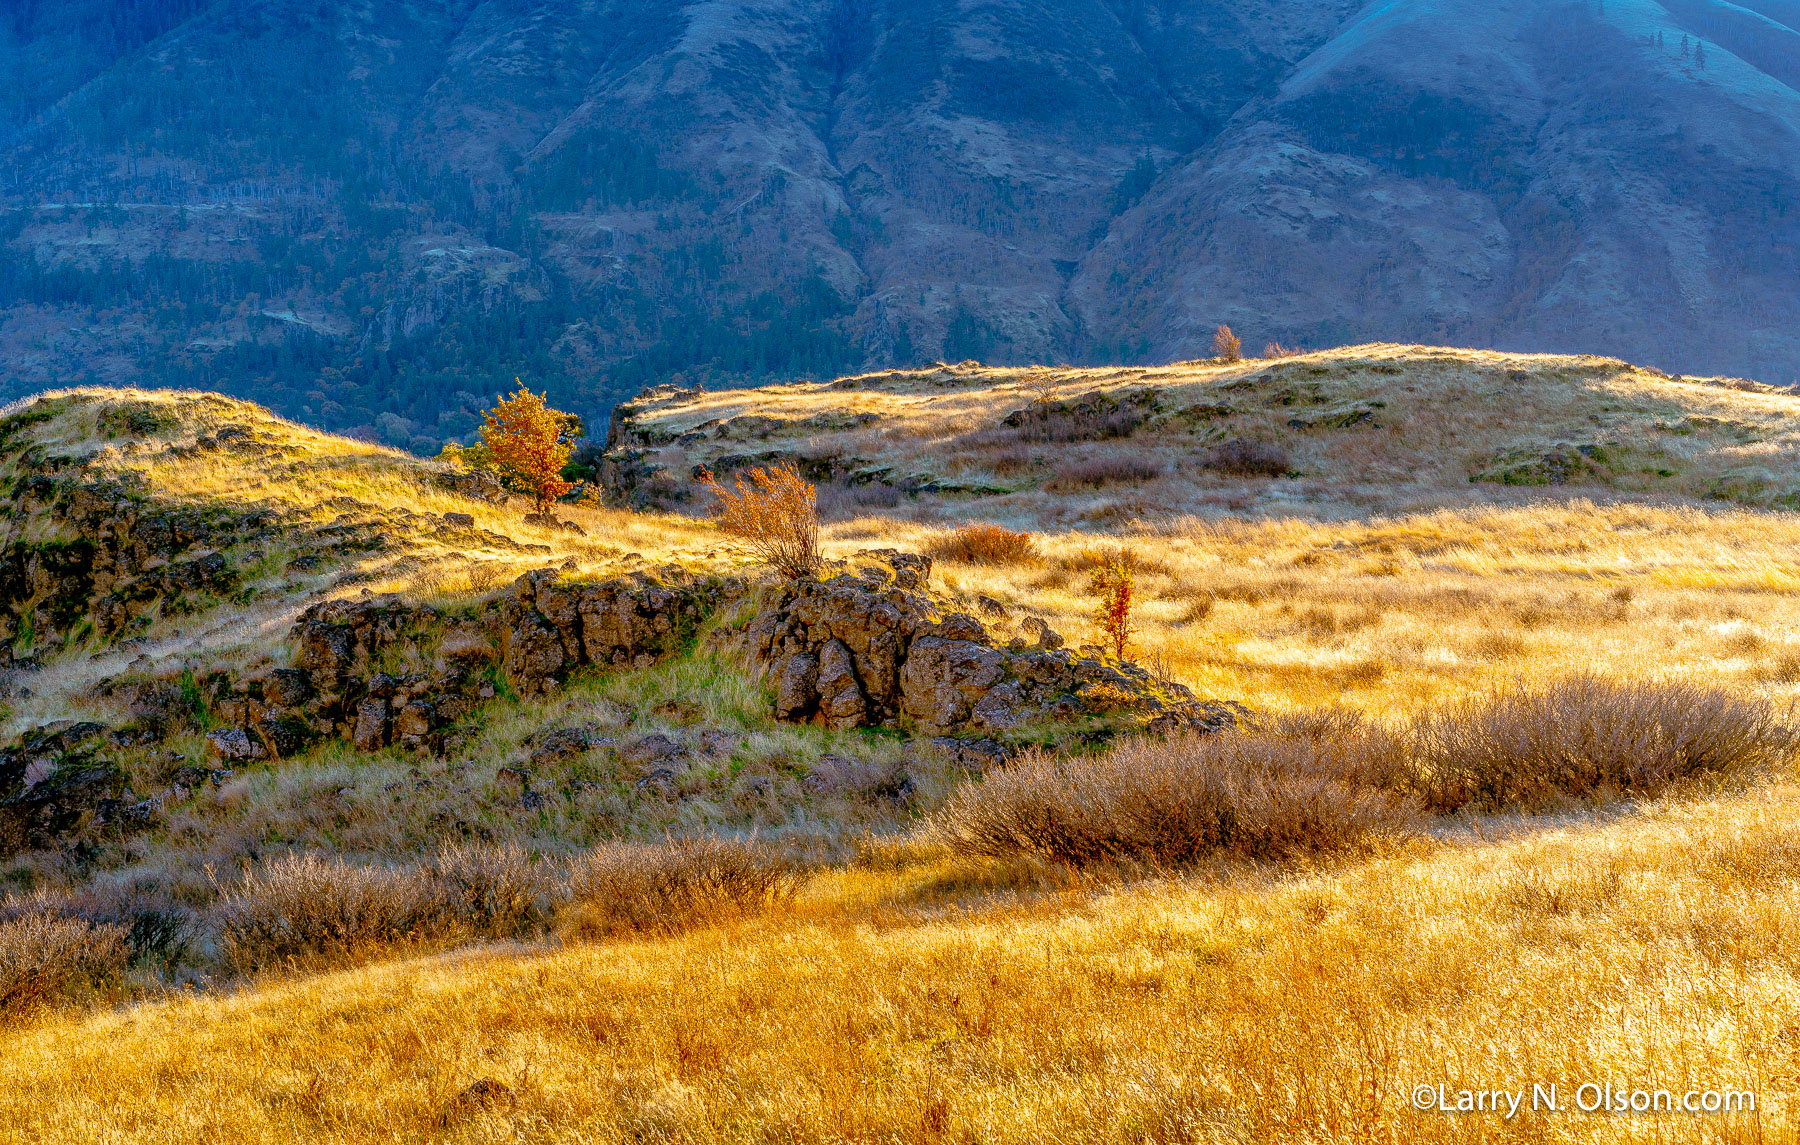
1629,931
954,1002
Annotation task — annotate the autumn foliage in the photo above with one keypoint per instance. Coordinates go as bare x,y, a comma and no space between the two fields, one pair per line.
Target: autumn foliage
776,512
530,443
979,543
1112,584
1227,345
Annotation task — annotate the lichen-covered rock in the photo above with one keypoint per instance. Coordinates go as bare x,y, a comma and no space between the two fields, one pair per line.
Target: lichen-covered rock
56,783
873,648
233,743
371,728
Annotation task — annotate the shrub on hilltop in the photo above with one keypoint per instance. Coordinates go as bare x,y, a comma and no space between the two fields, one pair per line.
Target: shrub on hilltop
776,511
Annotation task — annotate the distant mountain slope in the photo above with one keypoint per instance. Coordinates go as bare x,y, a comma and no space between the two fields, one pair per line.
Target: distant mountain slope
369,215
1606,178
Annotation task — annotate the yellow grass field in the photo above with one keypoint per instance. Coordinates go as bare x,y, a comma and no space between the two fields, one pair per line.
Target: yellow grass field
911,994
1649,948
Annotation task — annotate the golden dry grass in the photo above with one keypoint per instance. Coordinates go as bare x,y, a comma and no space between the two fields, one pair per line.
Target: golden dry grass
923,997
1392,613
1654,950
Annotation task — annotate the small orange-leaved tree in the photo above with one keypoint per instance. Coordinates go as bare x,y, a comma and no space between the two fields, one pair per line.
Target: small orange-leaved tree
530,443
777,512
1227,345
1112,584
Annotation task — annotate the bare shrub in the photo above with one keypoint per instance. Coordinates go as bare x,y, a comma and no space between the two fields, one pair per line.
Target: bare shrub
1242,458
665,887
1168,803
157,928
46,958
1112,469
305,909
1586,737
1227,345
1042,387
494,891
980,543
776,513
1277,350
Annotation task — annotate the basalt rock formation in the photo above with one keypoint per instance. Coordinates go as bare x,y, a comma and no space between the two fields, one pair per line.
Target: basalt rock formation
114,555
57,781
871,648
381,671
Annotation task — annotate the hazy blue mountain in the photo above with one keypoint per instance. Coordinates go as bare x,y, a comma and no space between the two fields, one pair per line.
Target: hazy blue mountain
373,213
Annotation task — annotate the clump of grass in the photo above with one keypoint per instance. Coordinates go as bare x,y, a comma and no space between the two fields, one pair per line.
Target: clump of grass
664,887
1241,458
1257,796
1112,469
1588,737
979,543
47,958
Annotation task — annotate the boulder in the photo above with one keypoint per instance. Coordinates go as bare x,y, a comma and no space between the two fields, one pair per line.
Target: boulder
371,729
412,727
841,701
234,743
56,782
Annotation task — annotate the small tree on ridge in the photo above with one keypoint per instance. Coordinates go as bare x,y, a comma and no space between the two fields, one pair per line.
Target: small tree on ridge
1113,583
1227,345
530,443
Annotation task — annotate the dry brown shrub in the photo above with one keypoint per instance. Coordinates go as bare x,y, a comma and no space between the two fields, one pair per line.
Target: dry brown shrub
306,909
1587,737
1255,795
496,891
1199,606
980,543
47,958
665,887
1277,350
1241,458
776,513
1111,469
1227,345
1331,781
1063,426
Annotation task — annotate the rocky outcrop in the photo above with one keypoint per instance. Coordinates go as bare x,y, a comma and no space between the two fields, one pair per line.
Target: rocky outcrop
872,648
380,672
552,626
476,484
122,557
58,781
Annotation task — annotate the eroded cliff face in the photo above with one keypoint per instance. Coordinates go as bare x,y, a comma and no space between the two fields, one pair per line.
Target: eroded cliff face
362,214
